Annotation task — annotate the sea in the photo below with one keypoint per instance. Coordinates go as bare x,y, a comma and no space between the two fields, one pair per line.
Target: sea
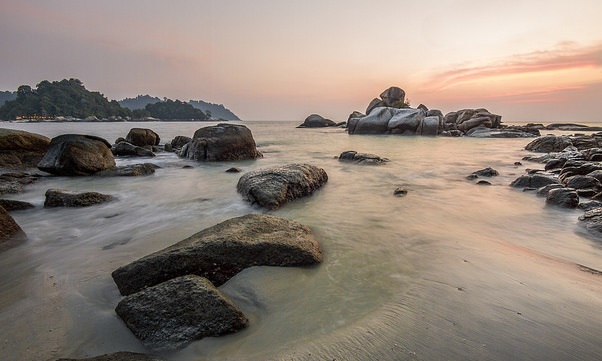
451,271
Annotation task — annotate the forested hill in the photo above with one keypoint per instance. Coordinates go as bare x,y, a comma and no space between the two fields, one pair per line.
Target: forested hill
6,96
215,111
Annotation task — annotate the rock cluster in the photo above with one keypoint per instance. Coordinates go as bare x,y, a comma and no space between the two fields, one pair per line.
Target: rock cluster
572,172
171,295
272,187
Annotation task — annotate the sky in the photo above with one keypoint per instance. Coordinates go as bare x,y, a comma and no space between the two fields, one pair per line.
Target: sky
527,60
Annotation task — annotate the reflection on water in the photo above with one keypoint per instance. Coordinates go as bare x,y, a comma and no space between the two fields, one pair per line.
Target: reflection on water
451,271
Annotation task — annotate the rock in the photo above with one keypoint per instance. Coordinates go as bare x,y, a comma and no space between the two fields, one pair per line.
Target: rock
486,172
549,143
563,197
142,137
77,155
507,132
63,198
375,103
377,122
429,126
11,234
221,251
583,182
467,119
406,119
361,158
543,191
393,97
592,220
20,149
533,181
11,183
118,356
233,170
222,142
132,170
588,206
555,164
271,188
179,142
128,149
317,121
12,205
172,314
483,183
400,192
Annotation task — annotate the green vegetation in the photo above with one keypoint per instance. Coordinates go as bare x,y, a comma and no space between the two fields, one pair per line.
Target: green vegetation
6,96
175,110
60,98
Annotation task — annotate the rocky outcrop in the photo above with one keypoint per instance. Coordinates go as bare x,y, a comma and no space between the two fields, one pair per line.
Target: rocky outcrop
404,121
118,356
142,137
466,119
172,314
361,158
222,142
272,187
317,121
64,198
132,170
219,252
10,233
20,149
129,149
77,155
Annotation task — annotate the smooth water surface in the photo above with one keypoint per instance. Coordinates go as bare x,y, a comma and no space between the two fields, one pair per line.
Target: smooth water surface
452,271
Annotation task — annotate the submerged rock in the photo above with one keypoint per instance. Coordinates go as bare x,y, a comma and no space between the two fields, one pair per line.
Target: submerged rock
222,142
485,172
172,314
21,149
77,155
133,170
317,121
361,158
129,149
11,234
64,198
221,251
273,187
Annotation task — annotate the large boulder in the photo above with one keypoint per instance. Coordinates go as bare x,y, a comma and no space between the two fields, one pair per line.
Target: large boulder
64,198
142,137
221,251
317,121
406,120
376,122
272,187
393,97
10,232
20,149
77,155
549,143
172,314
222,142
118,356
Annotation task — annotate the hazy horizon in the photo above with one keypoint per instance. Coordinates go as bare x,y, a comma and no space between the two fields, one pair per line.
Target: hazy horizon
539,61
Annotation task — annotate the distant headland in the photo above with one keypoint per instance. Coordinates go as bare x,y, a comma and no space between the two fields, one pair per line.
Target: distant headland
69,100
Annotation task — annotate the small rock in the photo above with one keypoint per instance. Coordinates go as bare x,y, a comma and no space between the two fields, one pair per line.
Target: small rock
233,170
483,183
362,158
400,192
63,198
132,170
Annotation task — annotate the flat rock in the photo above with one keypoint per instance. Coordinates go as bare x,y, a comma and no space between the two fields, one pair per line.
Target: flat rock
10,233
272,187
221,251
132,170
77,155
172,314
64,198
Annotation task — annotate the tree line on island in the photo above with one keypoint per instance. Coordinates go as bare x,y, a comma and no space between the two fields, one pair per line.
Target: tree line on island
69,99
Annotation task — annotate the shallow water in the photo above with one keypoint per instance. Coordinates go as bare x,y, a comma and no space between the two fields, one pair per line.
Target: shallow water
451,271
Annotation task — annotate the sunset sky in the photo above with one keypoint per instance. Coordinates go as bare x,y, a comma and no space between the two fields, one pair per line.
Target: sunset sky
282,59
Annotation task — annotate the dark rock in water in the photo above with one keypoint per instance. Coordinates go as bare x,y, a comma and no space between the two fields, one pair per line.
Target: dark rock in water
393,97
172,314
317,121
221,251
483,183
555,164
77,155
533,181
592,220
118,356
129,149
11,234
222,142
563,197
400,192
583,182
141,137
233,170
63,198
133,170
273,187
11,183
179,142
20,149
12,205
361,158
549,143
485,172
518,164
543,191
